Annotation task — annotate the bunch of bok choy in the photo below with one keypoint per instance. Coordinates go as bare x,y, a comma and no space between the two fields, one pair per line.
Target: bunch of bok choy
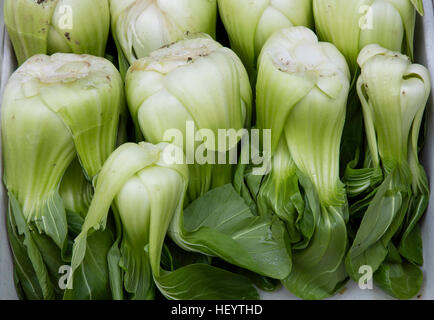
146,187
301,95
54,109
393,93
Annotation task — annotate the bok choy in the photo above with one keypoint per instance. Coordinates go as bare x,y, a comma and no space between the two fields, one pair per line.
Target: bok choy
393,93
250,23
194,81
302,91
142,26
54,109
352,24
146,187
50,26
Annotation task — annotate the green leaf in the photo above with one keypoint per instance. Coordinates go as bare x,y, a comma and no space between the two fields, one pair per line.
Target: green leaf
410,245
318,270
91,279
53,221
418,4
358,208
52,257
221,224
123,62
361,181
261,282
20,292
352,136
113,259
30,281
264,283
26,280
115,274
280,194
180,258
246,184
166,260
205,282
211,211
380,223
75,221
138,281
402,281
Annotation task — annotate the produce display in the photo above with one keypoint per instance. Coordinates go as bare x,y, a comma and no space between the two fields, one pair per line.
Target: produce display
232,147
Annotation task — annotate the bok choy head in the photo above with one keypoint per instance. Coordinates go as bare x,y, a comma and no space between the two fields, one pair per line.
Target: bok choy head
187,92
352,24
146,192
54,109
145,185
393,93
250,23
142,26
302,91
50,26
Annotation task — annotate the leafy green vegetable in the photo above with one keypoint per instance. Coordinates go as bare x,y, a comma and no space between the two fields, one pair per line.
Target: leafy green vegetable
147,190
302,91
47,27
142,26
401,280
192,279
250,23
393,93
351,25
92,279
75,190
196,82
64,106
31,276
220,224
387,23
